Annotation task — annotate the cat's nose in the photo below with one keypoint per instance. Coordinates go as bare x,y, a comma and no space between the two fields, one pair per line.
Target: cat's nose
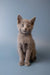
25,29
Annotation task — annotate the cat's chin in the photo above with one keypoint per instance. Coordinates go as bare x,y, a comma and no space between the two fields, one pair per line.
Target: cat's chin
25,32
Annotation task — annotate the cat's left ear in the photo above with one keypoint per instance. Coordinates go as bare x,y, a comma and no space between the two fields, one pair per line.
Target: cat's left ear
19,19
32,21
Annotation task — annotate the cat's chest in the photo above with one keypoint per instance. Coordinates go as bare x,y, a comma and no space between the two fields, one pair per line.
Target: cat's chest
24,39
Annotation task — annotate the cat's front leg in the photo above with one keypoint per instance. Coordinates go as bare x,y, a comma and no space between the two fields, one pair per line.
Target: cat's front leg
21,57
27,58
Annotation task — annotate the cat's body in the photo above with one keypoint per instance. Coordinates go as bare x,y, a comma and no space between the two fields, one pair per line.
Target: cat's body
26,42
26,45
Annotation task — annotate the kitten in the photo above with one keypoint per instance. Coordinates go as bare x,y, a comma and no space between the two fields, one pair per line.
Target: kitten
26,45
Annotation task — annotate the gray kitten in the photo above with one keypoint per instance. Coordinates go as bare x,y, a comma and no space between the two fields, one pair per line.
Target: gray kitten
26,45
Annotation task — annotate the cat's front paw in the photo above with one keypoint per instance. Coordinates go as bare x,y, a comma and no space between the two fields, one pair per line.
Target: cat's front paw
21,63
27,63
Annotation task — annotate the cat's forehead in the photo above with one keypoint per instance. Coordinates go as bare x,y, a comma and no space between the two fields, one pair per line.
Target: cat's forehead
26,21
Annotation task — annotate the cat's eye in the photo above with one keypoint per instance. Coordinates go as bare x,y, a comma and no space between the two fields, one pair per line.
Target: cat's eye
22,25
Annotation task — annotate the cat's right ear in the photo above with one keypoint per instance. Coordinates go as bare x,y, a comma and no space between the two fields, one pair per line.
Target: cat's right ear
19,19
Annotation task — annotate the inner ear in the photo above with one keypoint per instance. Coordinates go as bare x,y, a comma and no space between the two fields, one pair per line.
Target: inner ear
19,19
32,21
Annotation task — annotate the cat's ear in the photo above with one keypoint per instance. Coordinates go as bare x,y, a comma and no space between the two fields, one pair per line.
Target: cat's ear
19,19
32,21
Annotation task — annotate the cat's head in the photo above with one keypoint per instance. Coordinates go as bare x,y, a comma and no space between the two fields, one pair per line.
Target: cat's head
25,26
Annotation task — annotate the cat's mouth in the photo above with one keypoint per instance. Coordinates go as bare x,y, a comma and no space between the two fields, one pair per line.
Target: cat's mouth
24,32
